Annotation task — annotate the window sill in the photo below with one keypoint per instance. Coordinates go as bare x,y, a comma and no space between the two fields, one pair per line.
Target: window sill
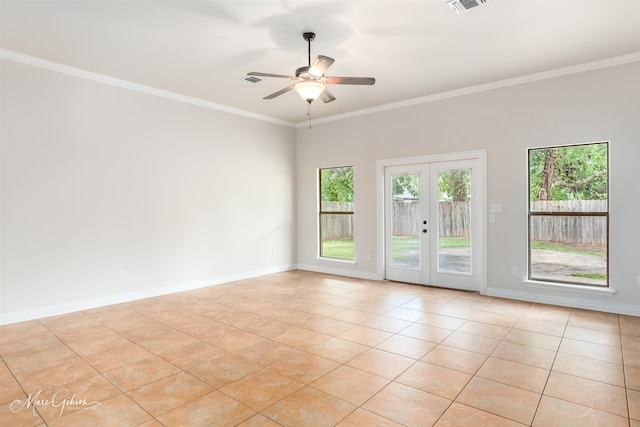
569,287
338,260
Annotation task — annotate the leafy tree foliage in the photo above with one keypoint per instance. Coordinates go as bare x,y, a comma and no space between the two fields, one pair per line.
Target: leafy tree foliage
337,184
407,184
569,173
455,186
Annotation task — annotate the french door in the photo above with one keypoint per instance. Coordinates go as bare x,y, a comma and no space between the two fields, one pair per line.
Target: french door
433,224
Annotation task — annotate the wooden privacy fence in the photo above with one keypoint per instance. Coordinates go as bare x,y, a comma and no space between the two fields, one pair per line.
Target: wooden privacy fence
455,221
406,219
569,229
454,218
336,226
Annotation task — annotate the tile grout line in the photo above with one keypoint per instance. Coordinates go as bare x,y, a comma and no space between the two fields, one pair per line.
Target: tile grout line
511,328
551,367
26,395
233,300
103,373
624,372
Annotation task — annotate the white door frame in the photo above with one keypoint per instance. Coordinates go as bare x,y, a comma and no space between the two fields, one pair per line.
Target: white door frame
480,156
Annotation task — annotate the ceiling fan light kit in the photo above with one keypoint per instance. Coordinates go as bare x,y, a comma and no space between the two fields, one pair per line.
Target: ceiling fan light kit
312,83
309,90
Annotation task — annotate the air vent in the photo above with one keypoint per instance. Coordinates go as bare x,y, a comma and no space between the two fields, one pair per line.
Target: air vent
251,79
461,6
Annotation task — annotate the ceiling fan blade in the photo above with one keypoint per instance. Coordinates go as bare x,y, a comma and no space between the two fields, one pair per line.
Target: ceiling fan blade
280,92
280,76
349,80
327,96
320,65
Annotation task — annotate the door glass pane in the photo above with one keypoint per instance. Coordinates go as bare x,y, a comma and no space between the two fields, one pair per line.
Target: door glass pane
406,215
454,221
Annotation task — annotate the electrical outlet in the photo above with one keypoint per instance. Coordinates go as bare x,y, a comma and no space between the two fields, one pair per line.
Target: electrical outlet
121,273
492,218
638,281
514,270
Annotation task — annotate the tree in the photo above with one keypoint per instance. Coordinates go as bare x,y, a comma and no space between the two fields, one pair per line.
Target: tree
569,173
406,184
548,174
337,184
454,185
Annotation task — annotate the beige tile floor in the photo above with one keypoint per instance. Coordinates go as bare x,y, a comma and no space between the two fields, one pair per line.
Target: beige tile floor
307,349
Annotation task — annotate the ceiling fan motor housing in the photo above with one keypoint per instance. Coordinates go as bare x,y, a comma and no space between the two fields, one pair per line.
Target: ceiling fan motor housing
303,72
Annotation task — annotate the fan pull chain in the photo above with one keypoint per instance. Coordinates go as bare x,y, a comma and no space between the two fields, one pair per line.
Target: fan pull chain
309,113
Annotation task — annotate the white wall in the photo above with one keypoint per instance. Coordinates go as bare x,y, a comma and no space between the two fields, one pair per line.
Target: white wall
598,105
97,178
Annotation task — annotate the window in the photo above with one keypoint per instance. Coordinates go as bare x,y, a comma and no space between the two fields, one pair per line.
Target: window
569,214
336,212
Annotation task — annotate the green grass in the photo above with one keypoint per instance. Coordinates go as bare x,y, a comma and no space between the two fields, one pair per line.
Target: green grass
598,276
402,247
344,248
562,248
404,242
455,242
341,248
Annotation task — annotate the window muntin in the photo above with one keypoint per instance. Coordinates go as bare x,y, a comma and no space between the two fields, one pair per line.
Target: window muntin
336,212
569,214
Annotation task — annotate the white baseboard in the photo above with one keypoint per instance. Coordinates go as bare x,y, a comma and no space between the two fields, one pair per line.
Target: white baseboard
54,310
338,271
572,301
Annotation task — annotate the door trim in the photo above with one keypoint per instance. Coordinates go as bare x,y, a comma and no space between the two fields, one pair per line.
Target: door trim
479,155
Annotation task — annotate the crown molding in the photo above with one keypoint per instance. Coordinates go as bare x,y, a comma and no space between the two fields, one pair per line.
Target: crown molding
559,72
125,84
112,81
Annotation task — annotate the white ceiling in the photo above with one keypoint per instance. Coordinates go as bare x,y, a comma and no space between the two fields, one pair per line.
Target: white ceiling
414,49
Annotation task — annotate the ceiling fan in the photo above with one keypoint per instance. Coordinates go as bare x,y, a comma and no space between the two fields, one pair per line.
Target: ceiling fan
311,81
